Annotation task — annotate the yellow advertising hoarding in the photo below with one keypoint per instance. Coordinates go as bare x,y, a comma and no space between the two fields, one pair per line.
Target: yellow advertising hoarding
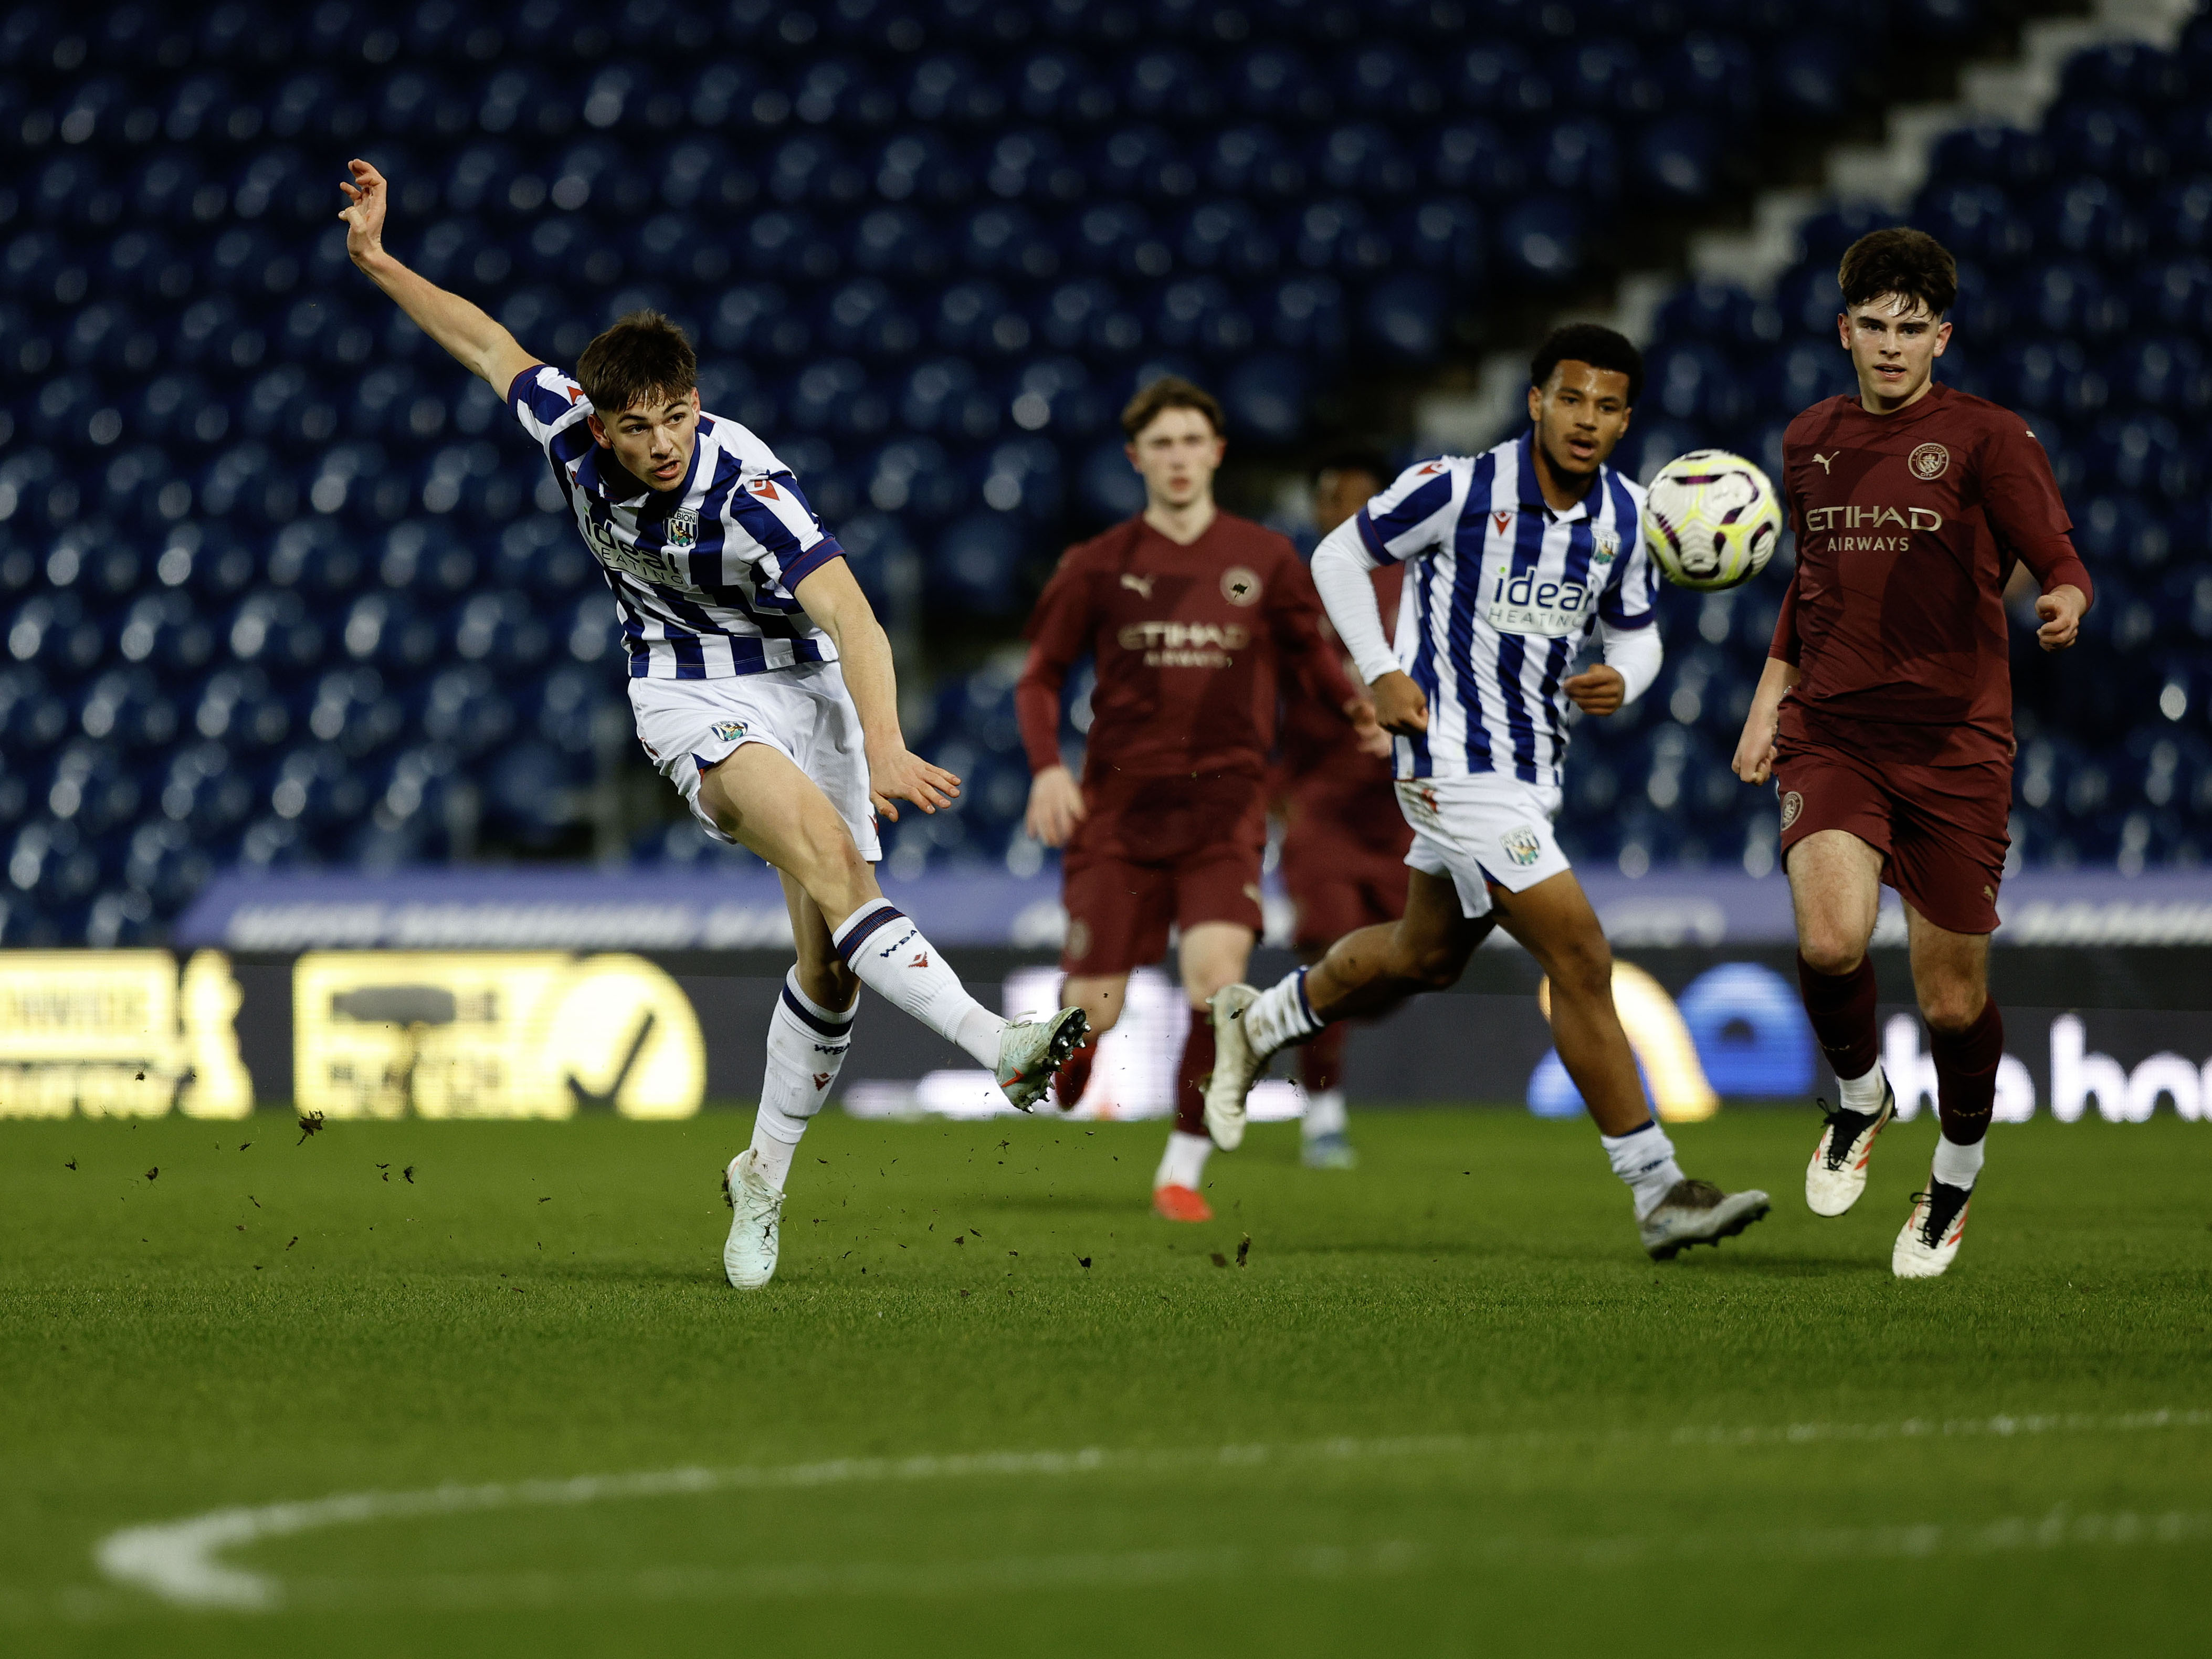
119,1033
492,1034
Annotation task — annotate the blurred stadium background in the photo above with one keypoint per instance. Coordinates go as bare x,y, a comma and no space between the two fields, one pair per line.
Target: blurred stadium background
280,589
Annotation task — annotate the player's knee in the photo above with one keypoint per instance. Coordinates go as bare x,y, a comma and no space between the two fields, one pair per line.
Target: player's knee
1831,951
1952,1008
1584,969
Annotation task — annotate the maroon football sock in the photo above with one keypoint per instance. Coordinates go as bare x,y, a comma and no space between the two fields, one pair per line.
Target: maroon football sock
1073,1076
1967,1075
1841,1008
1190,1076
1320,1062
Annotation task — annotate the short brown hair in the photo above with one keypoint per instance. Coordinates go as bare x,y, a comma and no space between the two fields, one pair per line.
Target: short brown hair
1910,263
1169,391
643,357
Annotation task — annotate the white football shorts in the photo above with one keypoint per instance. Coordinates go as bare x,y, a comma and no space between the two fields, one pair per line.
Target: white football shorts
803,713
1481,829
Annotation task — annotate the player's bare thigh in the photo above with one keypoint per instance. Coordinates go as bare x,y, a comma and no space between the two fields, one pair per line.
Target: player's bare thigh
1950,972
1211,955
760,798
1425,948
1835,889
1101,996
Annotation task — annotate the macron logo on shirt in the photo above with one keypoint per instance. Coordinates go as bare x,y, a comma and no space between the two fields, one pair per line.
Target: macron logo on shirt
764,488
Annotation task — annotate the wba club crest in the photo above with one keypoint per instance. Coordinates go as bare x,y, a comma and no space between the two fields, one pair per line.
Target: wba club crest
730,731
682,529
1522,846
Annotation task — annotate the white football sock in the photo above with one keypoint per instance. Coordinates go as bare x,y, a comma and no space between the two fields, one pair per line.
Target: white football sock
1324,1114
1183,1163
1644,1158
1861,1094
806,1044
1957,1165
1280,1015
892,958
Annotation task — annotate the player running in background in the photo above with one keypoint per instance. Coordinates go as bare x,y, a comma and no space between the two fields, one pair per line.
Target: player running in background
1513,557
1344,839
762,685
1885,713
1191,615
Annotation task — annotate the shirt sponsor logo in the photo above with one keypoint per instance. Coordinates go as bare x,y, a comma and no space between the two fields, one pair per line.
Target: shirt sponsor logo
1523,605
1832,520
1929,462
1185,645
1522,846
1239,585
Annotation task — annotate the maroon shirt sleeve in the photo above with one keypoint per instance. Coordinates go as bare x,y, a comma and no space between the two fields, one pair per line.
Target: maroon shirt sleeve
1058,631
1787,645
2026,511
1295,612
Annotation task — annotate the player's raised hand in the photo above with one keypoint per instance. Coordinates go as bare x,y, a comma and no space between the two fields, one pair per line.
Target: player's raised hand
364,210
1055,806
1598,689
1400,705
2060,609
899,773
1366,731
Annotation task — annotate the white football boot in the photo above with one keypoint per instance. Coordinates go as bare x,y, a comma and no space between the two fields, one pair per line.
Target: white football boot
1932,1233
1838,1173
1697,1213
755,1224
1237,1066
1031,1050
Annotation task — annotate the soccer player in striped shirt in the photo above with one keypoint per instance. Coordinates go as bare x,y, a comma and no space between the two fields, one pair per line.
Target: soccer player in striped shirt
1514,558
762,685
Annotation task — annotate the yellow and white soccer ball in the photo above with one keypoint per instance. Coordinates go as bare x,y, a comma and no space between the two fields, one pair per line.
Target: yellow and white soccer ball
1711,520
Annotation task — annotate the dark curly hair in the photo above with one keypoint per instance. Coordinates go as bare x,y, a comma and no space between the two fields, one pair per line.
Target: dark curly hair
1910,263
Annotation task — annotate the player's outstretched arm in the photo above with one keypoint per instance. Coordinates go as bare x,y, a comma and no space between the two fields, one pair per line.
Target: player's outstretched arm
833,599
1755,750
478,343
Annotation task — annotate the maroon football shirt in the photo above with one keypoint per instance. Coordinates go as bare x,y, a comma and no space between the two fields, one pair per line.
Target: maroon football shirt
1189,643
1908,526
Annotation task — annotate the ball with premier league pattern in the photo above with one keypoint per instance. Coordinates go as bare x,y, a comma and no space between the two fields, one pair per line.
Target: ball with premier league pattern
1711,520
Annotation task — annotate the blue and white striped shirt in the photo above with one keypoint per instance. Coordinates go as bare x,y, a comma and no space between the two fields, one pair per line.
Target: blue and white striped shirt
1501,593
702,576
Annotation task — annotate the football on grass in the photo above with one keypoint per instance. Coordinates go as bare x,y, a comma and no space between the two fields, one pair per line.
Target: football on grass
1711,520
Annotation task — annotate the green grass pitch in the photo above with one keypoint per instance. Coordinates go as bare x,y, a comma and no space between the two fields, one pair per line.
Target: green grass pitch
1444,1405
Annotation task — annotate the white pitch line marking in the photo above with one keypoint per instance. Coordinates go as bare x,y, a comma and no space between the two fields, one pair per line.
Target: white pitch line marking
179,1561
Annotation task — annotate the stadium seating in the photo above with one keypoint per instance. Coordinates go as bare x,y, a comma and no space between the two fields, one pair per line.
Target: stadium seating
275,582
2086,303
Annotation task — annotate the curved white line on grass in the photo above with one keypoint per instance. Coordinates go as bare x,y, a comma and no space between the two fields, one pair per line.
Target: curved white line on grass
179,1561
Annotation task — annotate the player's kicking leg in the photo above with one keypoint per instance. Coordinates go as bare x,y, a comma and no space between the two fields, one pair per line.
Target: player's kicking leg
1427,949
807,1037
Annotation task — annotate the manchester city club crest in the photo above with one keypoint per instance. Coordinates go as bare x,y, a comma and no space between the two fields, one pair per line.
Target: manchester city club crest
1929,462
683,528
1522,847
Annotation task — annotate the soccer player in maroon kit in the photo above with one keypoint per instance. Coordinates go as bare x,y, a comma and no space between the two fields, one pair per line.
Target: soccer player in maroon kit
1191,614
1884,714
1344,838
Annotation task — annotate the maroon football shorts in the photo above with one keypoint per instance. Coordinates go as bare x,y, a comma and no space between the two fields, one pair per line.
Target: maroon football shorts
1942,831
1341,883
1157,851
